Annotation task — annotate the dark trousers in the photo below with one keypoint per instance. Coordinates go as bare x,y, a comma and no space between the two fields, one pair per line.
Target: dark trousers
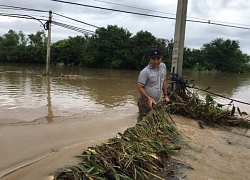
143,108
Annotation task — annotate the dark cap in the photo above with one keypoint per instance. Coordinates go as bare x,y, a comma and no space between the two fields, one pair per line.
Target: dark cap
155,53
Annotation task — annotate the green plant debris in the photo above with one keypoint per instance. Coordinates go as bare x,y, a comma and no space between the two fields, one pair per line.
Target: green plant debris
139,153
209,111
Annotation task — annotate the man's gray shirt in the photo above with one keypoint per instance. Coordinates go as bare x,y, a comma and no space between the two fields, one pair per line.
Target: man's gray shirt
152,80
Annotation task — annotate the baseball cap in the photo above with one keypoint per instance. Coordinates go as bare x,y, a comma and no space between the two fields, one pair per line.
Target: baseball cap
155,53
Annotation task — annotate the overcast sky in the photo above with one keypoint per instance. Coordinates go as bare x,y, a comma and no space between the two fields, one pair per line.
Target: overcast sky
227,12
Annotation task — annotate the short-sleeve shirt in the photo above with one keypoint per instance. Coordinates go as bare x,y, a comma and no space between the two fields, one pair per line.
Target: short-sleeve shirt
152,80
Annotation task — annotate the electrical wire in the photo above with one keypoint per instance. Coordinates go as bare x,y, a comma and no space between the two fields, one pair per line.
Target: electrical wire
85,31
76,20
135,7
218,95
10,11
21,8
67,21
150,15
205,20
24,16
195,21
169,13
110,9
37,10
182,83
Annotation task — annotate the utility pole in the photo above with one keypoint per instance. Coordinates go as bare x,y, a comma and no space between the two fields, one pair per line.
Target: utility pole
179,36
48,43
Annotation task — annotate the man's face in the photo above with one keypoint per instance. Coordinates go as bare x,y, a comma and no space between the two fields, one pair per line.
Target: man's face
155,62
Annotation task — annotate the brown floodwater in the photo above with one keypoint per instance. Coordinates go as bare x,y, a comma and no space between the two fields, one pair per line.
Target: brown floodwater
40,116
27,95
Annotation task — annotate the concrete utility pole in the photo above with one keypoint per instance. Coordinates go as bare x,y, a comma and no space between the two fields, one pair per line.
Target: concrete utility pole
179,36
48,44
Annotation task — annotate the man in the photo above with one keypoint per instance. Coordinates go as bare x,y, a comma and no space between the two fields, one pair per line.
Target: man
151,81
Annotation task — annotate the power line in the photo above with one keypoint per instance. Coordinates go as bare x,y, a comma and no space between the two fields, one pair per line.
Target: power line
110,9
205,20
219,24
10,10
76,20
24,16
37,10
168,13
21,8
195,21
85,31
218,95
150,15
67,21
134,7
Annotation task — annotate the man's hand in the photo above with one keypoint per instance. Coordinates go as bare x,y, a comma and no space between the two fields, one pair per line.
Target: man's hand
166,99
151,102
142,91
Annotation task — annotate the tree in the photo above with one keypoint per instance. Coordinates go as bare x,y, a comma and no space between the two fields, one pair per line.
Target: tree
14,47
141,44
2,53
36,50
69,51
38,39
10,39
115,47
166,46
225,55
22,39
76,45
9,43
193,60
107,48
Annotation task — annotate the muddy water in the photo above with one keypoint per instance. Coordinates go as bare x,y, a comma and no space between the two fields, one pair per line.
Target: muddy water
40,116
27,95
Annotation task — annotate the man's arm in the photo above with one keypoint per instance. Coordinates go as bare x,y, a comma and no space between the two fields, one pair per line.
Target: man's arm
142,91
164,89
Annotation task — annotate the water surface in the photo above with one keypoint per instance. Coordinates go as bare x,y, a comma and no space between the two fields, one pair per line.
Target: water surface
26,95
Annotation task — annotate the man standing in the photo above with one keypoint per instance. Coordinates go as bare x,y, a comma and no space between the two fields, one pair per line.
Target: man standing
151,81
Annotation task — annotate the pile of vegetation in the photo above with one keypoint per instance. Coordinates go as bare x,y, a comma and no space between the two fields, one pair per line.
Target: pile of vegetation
141,152
207,111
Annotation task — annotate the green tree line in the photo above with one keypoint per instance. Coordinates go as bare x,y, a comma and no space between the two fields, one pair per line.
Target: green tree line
115,47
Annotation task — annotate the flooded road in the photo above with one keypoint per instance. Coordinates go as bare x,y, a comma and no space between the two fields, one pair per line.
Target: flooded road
42,115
